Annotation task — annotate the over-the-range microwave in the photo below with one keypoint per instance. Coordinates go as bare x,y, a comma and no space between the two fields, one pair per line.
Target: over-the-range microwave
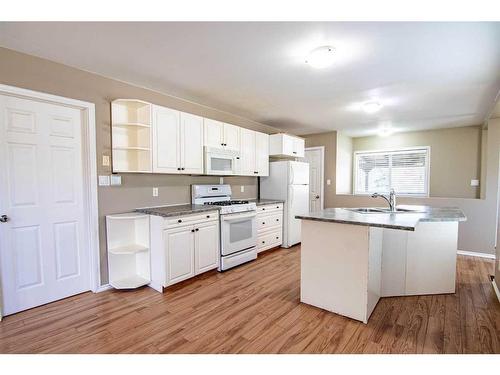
221,162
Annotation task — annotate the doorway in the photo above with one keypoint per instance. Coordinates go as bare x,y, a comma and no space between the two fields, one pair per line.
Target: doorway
315,156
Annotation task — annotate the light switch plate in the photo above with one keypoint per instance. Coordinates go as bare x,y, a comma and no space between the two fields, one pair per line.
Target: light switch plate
105,160
474,182
116,180
242,188
155,192
103,180
328,182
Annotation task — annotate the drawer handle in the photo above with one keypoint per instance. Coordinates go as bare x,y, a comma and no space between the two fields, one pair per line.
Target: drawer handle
263,241
179,221
208,216
263,223
277,238
263,209
277,206
277,219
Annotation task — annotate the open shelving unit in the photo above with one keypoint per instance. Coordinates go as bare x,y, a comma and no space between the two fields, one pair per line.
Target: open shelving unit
128,250
131,135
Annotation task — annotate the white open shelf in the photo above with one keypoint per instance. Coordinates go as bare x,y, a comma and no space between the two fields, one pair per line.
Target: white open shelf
128,250
131,135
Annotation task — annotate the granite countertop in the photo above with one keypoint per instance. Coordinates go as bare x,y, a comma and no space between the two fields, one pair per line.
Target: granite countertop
262,202
177,210
403,220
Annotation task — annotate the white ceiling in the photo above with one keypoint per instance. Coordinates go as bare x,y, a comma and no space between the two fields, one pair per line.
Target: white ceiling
427,75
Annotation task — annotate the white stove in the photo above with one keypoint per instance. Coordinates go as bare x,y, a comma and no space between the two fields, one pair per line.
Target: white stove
238,229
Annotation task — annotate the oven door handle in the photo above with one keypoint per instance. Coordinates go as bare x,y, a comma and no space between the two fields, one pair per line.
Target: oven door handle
235,217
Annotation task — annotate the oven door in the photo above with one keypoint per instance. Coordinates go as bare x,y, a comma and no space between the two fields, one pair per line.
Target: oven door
238,232
220,163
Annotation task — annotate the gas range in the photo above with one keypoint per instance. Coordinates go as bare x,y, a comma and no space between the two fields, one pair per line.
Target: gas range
220,195
238,227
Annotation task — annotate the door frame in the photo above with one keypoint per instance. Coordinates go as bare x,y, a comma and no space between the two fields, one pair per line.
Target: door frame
89,169
322,174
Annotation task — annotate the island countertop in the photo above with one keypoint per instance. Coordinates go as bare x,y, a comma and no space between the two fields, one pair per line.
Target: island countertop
400,220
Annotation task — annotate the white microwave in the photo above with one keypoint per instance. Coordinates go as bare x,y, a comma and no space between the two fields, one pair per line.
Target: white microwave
221,162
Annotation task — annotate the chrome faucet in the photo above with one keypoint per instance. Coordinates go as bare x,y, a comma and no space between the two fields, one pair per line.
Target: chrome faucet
391,200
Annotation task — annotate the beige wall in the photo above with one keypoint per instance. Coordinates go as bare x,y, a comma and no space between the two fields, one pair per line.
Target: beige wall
455,157
478,233
17,69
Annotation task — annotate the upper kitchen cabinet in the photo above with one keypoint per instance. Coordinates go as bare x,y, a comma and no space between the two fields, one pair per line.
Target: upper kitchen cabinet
177,142
286,145
254,153
221,135
131,135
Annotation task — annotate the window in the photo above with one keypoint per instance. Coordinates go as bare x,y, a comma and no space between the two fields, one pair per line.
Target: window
406,171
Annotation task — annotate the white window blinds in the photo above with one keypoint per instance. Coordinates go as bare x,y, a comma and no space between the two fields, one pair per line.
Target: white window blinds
406,171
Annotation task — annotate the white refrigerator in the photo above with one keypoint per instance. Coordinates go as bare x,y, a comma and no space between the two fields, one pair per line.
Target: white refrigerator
288,181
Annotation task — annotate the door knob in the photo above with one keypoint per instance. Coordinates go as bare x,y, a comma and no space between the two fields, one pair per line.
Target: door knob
4,219
317,196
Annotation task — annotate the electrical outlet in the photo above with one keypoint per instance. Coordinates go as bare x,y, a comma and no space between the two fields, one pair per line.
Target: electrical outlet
242,188
116,180
155,192
474,182
328,182
105,160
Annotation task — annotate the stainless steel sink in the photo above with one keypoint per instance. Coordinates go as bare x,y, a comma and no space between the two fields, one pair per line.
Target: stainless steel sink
379,210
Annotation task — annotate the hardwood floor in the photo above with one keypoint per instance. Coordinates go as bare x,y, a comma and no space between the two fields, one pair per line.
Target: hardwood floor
255,309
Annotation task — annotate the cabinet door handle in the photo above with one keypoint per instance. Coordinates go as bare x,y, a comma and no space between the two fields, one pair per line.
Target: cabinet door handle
178,169
277,219
294,152
208,216
183,168
263,223
263,241
277,238
197,229
192,230
179,221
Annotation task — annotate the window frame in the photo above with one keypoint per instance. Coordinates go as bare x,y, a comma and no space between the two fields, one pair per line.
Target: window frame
391,150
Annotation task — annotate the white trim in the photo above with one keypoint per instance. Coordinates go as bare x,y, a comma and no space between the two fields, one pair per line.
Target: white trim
495,288
474,254
322,191
103,288
396,149
89,168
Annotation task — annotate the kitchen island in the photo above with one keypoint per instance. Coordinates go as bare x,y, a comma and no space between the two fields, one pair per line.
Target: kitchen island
350,259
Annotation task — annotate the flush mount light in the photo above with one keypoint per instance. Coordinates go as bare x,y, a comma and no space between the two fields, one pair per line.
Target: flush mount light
321,57
371,107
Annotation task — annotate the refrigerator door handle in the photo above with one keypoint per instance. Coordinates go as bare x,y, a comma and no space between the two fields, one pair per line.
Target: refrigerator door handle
292,174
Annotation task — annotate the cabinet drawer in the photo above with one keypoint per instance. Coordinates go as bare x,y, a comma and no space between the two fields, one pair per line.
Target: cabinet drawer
265,222
268,240
178,221
269,208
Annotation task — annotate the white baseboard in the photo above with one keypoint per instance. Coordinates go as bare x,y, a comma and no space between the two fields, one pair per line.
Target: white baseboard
495,288
102,288
474,254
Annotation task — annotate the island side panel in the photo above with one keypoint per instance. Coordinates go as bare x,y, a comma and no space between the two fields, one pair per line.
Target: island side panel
334,267
432,258
394,262
374,269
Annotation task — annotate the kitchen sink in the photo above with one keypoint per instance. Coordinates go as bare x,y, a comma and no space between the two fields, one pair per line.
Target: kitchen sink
379,210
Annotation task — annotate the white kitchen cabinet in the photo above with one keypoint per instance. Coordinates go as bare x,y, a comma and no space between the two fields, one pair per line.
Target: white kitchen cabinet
286,145
182,247
177,142
179,245
269,226
254,153
262,154
206,245
218,134
166,140
131,135
191,144
232,137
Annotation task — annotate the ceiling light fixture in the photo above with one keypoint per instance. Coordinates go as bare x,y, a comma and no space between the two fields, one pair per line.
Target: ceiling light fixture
321,57
371,107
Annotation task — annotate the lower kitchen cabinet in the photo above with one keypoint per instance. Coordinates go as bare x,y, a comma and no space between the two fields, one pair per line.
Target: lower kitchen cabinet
182,247
269,226
179,248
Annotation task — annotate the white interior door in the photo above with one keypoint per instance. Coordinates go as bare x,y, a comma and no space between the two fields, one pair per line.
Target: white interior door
314,156
44,255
